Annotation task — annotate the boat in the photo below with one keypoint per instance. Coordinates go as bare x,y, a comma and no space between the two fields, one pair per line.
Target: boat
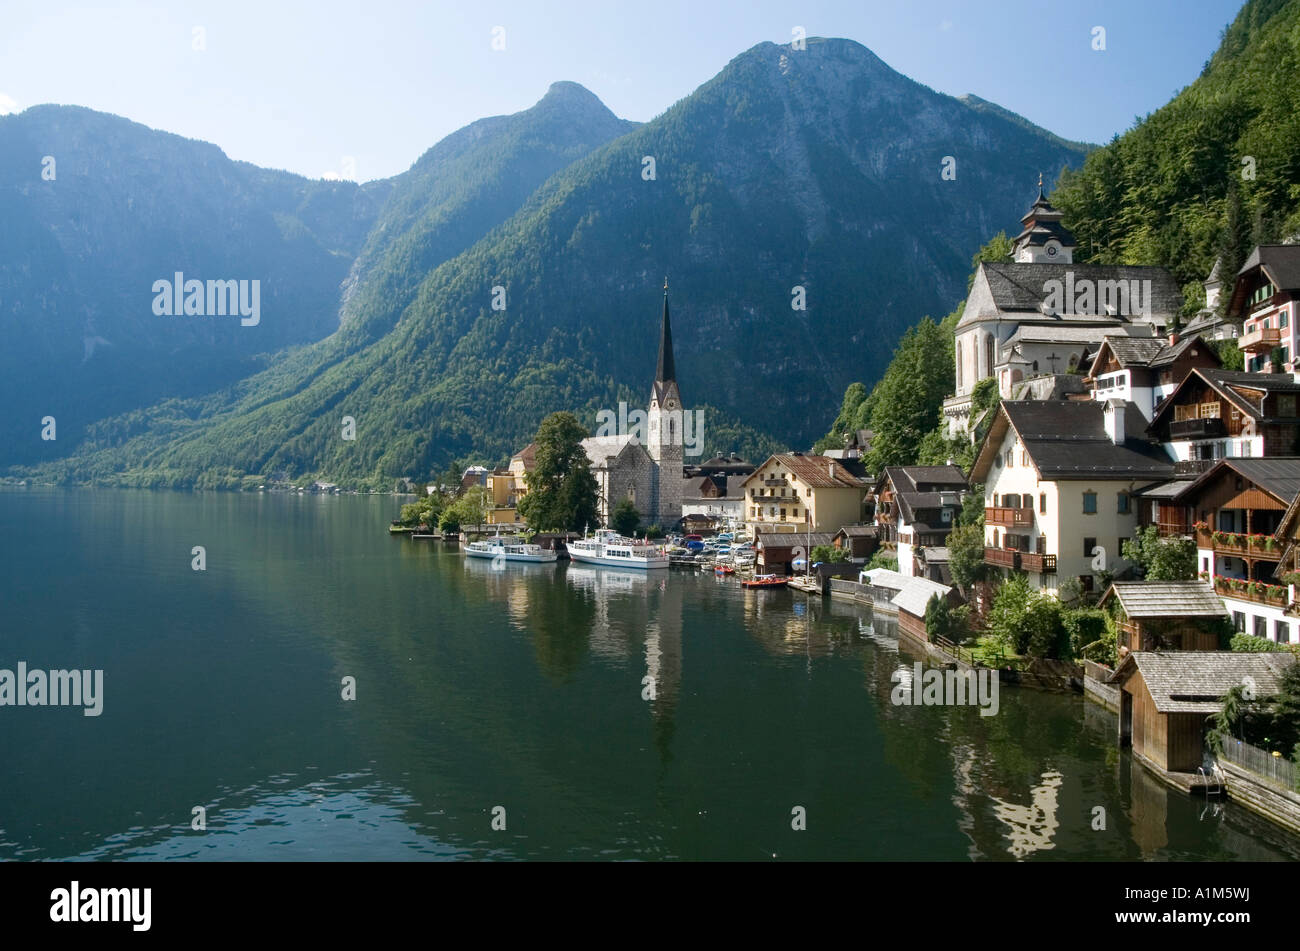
723,570
612,549
509,549
765,581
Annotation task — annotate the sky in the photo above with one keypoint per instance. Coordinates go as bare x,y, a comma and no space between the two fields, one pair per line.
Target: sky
361,90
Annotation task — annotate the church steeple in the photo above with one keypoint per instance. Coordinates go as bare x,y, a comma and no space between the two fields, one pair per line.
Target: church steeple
1044,239
666,371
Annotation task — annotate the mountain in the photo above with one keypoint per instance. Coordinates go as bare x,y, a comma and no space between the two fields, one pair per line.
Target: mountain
818,169
95,210
1213,172
129,206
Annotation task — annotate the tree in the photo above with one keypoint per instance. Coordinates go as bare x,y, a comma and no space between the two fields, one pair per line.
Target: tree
908,399
1161,559
882,559
469,509
939,619
966,555
625,519
561,488
829,554
1007,615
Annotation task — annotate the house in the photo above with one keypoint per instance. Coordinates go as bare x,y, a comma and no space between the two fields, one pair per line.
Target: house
1042,313
856,445
1165,699
1059,483
1265,298
882,586
1215,413
648,473
858,540
1167,615
1146,370
1236,510
718,496
473,476
776,552
934,564
795,492
1208,322
916,507
912,601
503,497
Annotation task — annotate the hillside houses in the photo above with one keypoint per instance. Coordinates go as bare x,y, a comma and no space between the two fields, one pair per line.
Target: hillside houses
916,508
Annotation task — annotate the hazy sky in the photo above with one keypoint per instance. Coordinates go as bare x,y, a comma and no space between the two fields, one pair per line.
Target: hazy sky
307,86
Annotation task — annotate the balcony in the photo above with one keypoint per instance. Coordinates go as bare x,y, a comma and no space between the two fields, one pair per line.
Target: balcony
1002,557
1193,467
1238,544
1033,561
1260,340
775,480
1259,592
1011,518
1206,428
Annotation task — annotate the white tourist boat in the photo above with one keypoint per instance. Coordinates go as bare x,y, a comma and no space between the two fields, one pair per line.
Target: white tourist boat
509,549
612,549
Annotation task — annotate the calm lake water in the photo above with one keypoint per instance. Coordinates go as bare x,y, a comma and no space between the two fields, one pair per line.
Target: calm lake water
520,689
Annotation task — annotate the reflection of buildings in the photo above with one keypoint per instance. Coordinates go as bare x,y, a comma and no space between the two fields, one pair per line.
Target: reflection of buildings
1031,827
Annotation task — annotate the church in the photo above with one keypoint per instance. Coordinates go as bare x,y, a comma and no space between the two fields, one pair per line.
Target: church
648,473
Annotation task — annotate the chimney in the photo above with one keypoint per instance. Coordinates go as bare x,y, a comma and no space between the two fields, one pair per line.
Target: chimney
1113,419
1173,338
830,469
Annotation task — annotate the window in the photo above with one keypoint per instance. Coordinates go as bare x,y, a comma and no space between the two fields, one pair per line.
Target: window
1205,564
958,364
1261,626
1239,622
1282,632
988,355
1283,318
1120,547
1123,500
1085,582
1090,503
1024,458
783,512
1042,503
1011,458
1088,545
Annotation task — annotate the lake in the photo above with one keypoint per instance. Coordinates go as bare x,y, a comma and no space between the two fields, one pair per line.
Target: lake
504,713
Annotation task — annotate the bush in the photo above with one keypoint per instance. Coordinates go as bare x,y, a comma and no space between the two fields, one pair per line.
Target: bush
882,559
1083,627
829,554
1250,644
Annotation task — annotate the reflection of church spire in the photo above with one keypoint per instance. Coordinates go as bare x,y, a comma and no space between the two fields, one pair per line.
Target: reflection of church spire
666,371
663,655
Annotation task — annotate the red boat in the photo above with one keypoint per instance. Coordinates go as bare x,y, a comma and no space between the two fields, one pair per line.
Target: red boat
765,581
723,570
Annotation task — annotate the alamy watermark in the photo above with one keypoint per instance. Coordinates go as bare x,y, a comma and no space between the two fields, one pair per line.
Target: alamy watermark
1086,297
680,427
194,298
946,688
54,688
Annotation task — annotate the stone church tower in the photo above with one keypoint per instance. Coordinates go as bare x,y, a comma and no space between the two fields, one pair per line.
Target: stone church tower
665,441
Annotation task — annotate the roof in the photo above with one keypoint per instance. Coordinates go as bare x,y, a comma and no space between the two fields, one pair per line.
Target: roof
817,472
1162,599
666,369
808,540
528,456
1066,439
935,554
1196,681
1052,333
857,531
916,594
886,578
910,503
1229,384
1152,352
1279,476
600,448
925,478
1022,288
1281,261
1164,490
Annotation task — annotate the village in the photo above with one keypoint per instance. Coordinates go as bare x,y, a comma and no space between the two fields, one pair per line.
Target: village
1130,524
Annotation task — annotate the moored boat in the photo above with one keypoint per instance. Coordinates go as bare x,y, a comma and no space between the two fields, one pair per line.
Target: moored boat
765,581
509,549
611,549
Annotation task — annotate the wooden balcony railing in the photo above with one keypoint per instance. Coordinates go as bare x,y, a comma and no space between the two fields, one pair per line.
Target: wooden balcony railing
1260,339
1206,428
1002,557
1237,543
1273,595
1011,518
1033,561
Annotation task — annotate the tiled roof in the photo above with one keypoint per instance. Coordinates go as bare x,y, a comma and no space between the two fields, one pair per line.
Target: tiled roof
886,578
1277,475
764,539
1018,287
926,478
1282,261
818,472
916,594
852,531
1067,439
1159,599
1152,352
1196,681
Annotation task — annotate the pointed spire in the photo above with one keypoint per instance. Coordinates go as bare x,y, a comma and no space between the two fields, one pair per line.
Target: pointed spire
666,371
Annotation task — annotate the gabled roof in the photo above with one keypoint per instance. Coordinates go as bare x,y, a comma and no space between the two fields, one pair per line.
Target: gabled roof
1281,262
925,478
1019,290
886,578
767,539
527,456
1148,352
857,531
916,594
1066,439
1161,599
601,448
910,503
1279,476
817,472
1235,386
1196,681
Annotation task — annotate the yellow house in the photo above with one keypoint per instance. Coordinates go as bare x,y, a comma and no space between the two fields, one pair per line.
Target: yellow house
508,486
797,493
